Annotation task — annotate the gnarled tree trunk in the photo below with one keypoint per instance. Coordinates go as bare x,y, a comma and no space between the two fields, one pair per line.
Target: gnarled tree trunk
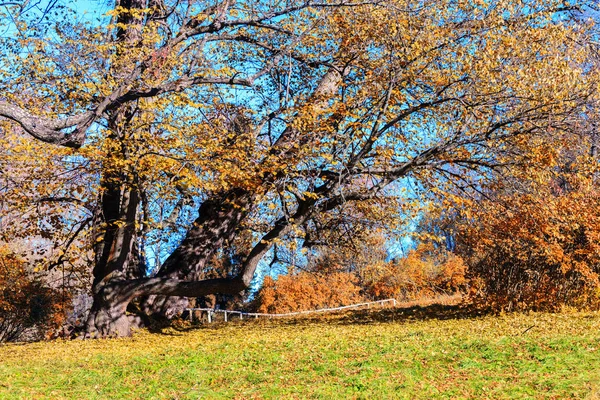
217,224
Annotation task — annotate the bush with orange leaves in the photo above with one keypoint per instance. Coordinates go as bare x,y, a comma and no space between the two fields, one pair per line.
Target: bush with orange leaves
537,248
336,279
26,304
425,272
304,290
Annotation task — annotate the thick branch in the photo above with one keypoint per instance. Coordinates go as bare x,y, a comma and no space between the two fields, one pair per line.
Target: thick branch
50,130
175,86
173,287
73,200
327,87
217,222
282,227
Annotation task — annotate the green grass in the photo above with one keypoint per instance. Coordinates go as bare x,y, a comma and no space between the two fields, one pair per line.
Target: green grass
357,355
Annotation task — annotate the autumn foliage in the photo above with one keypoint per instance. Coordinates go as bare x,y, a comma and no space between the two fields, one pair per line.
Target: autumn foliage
424,272
535,243
169,130
26,303
334,280
307,291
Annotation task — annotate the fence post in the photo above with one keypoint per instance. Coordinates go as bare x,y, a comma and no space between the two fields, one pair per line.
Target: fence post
225,313
209,314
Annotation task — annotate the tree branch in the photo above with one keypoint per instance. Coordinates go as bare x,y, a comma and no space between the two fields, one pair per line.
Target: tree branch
50,130
61,259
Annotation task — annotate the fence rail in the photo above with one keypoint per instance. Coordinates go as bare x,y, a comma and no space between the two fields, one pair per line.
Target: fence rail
210,312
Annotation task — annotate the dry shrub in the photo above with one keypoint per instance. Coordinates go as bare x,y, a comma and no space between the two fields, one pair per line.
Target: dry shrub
538,251
425,272
307,291
26,303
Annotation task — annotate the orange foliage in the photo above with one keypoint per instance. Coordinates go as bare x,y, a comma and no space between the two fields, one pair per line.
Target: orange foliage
26,302
538,249
424,272
307,291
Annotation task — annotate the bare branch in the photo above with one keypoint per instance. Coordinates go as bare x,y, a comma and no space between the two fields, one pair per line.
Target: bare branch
61,259
65,200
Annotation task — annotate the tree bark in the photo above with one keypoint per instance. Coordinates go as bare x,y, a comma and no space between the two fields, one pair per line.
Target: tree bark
117,259
107,317
167,293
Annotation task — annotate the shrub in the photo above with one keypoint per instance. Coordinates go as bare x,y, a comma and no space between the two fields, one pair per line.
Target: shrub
25,302
538,251
303,290
424,272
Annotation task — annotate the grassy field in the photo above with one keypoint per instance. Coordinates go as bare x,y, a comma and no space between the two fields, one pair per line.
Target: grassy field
418,353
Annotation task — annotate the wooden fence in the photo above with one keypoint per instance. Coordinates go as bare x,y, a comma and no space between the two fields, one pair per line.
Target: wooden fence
210,312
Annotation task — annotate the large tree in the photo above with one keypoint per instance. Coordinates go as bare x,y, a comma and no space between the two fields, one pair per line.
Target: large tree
271,118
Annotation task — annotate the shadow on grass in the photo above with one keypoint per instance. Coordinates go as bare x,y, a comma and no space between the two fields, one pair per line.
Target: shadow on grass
350,317
419,313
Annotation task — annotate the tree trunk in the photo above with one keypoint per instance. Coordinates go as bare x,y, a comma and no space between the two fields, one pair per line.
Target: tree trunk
162,294
115,239
107,317
117,259
217,224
